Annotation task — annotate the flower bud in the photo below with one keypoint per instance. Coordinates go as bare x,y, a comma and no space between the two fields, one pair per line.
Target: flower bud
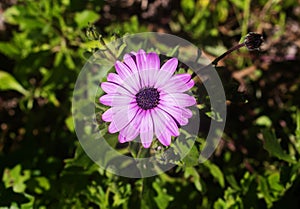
253,41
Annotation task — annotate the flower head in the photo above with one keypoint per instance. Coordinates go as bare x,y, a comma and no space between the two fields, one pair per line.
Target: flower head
146,99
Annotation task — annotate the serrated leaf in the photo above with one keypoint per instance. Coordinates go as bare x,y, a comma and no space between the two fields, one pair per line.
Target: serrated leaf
272,145
16,178
8,82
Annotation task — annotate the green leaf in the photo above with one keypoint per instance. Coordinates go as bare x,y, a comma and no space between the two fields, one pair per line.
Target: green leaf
15,177
38,185
265,191
8,82
191,171
11,15
81,160
188,6
192,158
85,17
215,172
275,184
69,61
162,199
233,183
272,145
9,49
297,132
264,121
69,123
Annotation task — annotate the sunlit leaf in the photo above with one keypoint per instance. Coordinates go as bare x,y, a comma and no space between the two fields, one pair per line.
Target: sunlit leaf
264,121
8,82
15,178
70,124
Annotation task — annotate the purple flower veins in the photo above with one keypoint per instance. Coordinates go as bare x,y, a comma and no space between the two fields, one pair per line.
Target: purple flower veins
146,99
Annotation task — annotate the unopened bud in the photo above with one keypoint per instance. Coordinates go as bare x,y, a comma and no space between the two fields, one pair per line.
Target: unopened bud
253,41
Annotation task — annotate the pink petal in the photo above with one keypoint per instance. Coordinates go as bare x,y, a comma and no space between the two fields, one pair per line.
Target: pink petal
128,60
186,112
128,133
112,88
152,77
161,78
153,66
165,126
132,130
121,118
177,99
165,138
179,83
160,130
116,100
153,61
133,83
114,78
176,112
184,78
164,74
141,60
145,77
122,70
169,122
107,115
146,129
170,66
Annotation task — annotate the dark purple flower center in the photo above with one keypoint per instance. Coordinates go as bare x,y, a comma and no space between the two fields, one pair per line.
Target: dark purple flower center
147,98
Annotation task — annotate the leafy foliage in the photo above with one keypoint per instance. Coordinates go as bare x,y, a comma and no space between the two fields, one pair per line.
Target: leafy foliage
45,43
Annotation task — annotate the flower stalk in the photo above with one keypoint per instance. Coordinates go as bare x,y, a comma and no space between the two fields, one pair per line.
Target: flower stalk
252,42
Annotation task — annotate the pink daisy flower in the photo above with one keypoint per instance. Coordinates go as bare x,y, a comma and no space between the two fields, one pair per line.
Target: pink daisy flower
146,99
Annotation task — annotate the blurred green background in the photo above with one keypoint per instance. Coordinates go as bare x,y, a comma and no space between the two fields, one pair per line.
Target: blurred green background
43,46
